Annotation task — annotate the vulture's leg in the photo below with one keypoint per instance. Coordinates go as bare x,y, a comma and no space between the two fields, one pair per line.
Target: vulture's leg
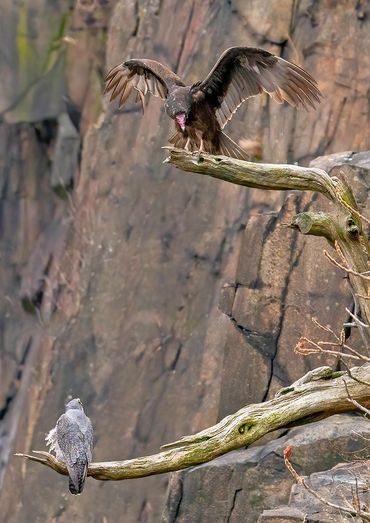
187,145
201,146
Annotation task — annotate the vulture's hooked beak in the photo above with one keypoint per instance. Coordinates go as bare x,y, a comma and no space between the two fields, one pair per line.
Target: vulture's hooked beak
181,119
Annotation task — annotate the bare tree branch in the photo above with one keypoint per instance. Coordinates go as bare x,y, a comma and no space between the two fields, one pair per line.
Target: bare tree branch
353,210
307,399
257,175
317,395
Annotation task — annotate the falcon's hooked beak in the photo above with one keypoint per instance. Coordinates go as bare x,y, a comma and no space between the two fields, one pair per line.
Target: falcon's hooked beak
181,119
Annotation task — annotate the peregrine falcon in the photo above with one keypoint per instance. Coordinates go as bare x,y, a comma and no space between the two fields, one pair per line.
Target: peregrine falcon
72,441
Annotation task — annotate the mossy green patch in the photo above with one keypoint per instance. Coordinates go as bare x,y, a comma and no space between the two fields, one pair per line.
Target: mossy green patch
27,55
41,57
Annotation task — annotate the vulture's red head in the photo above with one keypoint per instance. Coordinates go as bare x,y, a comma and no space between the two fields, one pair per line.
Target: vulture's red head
178,105
181,120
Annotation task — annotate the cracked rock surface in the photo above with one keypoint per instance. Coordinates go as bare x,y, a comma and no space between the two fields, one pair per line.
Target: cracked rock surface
258,483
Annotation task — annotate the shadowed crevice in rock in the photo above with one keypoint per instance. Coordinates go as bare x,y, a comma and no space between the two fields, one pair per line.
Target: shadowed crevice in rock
237,492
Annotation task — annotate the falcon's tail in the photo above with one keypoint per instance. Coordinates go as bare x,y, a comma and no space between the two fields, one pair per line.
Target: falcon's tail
77,476
228,147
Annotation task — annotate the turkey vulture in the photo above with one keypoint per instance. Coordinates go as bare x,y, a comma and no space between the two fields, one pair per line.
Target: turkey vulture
203,109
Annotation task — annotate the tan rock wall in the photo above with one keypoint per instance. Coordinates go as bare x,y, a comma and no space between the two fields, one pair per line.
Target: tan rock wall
124,274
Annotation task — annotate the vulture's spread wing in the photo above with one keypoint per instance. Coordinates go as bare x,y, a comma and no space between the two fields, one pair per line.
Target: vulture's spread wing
146,76
242,72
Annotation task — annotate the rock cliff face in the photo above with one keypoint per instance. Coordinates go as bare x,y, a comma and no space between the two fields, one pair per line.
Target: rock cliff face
164,300
258,482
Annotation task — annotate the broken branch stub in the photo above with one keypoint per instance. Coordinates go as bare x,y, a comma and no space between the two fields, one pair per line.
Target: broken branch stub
315,224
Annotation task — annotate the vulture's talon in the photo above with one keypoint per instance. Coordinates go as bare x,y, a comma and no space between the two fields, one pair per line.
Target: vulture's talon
197,157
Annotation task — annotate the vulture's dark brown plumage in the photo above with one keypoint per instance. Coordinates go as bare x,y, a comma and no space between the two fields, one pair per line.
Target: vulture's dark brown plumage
203,109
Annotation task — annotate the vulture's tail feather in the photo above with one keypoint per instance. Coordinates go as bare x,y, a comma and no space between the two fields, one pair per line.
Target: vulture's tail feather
178,140
229,148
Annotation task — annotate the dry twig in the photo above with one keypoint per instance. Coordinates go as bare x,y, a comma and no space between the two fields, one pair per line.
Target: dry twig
352,210
344,268
356,403
354,511
316,348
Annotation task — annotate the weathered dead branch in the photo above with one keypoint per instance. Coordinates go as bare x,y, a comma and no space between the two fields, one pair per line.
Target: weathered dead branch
257,175
321,394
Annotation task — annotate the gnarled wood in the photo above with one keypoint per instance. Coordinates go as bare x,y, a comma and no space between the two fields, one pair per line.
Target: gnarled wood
257,175
305,400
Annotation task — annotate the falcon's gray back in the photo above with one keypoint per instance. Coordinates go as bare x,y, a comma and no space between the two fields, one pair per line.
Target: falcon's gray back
72,441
